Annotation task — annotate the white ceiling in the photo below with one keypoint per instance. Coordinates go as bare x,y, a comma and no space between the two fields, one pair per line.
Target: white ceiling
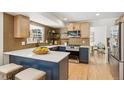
55,19
44,18
86,16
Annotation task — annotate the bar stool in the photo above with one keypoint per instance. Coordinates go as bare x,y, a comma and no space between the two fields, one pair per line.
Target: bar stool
9,70
30,74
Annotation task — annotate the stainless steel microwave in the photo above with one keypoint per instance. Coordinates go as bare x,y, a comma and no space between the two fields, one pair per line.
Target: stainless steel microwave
74,33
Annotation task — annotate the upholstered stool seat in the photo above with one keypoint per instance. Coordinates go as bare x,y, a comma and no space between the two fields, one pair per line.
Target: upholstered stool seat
9,70
30,74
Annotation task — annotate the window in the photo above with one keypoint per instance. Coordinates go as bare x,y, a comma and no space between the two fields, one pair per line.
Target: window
36,34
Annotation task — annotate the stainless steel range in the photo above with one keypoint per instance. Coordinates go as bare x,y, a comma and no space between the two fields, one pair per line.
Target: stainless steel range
72,48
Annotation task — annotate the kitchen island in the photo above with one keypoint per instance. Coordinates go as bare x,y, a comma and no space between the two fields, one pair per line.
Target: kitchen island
55,63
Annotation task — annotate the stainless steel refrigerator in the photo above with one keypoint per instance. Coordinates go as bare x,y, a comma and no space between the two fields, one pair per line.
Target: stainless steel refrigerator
116,57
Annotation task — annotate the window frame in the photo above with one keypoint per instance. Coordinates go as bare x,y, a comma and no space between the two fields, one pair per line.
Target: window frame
33,39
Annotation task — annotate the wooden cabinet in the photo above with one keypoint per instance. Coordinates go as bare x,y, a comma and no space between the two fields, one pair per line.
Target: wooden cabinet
85,30
73,26
120,19
76,26
70,27
21,26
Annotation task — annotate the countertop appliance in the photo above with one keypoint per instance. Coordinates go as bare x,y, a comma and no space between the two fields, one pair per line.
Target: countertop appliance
75,33
117,51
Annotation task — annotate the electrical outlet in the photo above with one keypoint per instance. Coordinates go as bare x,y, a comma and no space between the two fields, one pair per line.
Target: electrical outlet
23,43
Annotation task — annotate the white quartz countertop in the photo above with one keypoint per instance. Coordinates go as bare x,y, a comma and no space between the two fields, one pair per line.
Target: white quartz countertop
55,46
65,46
84,46
52,56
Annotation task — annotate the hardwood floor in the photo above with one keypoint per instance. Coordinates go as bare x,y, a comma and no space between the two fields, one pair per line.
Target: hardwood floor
78,71
97,69
99,72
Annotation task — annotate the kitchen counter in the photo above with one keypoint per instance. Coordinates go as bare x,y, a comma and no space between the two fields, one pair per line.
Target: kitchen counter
84,46
55,63
51,46
52,56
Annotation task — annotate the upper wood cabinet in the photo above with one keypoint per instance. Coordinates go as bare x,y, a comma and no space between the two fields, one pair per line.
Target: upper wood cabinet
73,26
70,27
120,19
83,27
76,26
85,30
21,26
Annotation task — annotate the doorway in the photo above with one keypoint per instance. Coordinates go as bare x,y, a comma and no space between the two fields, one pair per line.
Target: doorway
98,43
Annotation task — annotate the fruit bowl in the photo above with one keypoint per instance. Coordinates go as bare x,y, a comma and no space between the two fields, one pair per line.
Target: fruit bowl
41,50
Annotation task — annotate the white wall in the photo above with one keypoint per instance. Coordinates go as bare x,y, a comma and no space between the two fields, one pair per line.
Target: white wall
99,34
1,38
104,22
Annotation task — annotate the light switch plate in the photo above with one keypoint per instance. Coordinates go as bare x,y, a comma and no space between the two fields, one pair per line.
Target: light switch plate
23,43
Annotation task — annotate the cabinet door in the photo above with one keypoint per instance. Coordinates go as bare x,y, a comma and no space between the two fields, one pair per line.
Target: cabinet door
84,55
24,27
76,26
121,18
70,27
62,48
21,26
85,30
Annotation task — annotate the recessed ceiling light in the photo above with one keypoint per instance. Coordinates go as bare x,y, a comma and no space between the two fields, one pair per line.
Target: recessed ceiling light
65,19
97,14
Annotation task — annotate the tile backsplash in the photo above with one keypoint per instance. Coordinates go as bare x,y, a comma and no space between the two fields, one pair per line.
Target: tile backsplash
77,41
74,41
